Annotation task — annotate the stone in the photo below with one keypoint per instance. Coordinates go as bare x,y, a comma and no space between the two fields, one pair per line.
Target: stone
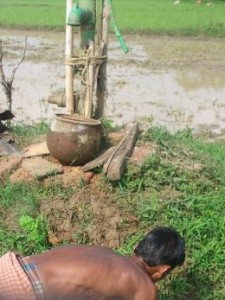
6,148
40,167
36,150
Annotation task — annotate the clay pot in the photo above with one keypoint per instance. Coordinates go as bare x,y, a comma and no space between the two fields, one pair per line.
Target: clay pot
74,139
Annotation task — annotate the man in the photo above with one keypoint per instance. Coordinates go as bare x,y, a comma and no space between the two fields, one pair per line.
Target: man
78,272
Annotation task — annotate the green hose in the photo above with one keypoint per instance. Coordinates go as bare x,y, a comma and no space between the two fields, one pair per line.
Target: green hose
116,29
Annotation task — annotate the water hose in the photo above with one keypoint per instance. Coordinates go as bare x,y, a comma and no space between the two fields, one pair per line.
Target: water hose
116,29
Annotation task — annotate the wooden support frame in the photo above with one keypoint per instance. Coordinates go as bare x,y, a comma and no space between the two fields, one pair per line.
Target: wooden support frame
96,73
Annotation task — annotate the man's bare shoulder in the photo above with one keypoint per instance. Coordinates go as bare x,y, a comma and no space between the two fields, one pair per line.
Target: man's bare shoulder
134,280
148,292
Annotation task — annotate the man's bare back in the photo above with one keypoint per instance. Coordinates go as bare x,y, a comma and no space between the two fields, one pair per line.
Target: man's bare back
92,272
79,272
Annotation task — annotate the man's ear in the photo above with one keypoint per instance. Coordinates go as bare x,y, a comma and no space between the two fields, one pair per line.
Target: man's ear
159,272
164,270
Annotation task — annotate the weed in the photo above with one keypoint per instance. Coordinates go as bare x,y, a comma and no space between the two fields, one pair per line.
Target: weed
29,238
34,237
107,124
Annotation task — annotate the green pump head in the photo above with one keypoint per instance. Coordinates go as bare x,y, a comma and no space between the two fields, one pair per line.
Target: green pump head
78,16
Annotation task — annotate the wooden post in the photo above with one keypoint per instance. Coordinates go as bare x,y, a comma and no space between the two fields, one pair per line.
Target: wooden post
68,54
101,82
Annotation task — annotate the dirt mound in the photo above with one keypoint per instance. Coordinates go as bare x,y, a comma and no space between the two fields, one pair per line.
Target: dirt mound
90,216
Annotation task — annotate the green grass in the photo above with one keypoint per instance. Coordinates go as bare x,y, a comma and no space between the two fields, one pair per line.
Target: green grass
163,17
32,14
148,16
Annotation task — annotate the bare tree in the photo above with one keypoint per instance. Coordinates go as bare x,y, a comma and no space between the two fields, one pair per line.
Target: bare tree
8,82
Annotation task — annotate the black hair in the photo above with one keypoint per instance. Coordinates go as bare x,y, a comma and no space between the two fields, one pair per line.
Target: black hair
162,246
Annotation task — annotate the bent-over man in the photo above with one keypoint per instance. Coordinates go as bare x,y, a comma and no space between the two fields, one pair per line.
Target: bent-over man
79,272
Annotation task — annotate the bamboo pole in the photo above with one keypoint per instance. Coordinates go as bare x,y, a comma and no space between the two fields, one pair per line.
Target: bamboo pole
68,54
98,24
90,83
101,82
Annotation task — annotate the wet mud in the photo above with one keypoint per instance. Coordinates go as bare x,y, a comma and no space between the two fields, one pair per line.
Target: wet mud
172,81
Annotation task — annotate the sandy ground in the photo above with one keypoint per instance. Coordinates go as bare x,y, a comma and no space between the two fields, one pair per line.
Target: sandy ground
177,82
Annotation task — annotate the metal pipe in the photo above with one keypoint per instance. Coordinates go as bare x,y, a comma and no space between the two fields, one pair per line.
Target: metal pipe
87,29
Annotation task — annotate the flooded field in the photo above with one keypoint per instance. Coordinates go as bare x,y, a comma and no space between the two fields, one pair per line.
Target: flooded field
177,82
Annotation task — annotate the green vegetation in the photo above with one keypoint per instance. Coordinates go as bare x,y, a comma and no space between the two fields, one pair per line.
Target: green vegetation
162,17
148,16
32,14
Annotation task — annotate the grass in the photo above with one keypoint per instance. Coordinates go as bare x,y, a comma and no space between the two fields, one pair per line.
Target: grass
32,14
145,16
163,17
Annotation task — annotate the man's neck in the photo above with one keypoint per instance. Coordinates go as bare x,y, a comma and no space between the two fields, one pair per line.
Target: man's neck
144,266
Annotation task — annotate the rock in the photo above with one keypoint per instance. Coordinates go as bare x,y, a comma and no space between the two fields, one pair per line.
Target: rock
40,167
36,150
6,148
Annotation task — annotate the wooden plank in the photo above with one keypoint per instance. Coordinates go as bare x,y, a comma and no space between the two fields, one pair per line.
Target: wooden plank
99,161
115,164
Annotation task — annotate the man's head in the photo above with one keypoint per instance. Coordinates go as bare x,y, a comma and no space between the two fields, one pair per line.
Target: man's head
162,250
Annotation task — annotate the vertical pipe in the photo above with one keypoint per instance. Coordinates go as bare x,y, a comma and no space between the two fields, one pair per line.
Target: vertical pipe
88,30
68,54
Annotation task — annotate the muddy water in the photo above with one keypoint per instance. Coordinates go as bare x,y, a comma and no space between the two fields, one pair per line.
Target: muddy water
177,82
